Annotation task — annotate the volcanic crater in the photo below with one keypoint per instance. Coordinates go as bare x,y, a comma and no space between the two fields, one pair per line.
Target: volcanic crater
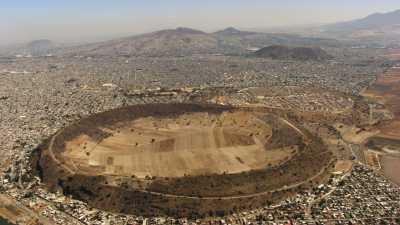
180,159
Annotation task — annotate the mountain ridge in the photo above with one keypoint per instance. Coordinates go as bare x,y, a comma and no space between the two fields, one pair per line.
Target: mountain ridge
187,41
281,52
372,21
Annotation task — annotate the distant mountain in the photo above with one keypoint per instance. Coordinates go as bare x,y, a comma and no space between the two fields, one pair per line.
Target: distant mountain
378,29
231,37
186,41
39,47
374,21
33,48
172,42
280,52
233,31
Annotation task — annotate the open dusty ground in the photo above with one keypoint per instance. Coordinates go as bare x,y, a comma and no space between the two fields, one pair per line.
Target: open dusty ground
391,168
353,134
387,91
343,166
192,144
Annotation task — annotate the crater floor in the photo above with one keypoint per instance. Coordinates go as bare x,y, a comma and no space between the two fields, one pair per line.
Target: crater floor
190,144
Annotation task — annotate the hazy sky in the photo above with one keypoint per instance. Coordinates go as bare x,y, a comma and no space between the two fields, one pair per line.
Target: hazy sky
80,20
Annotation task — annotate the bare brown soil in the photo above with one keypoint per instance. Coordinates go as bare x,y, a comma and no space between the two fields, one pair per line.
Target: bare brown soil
391,168
343,166
354,135
194,144
386,90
